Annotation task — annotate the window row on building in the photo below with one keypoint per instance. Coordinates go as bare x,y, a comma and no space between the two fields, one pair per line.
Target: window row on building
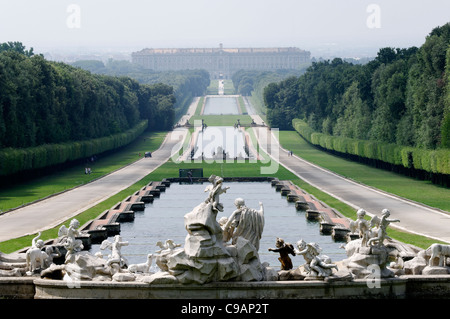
220,62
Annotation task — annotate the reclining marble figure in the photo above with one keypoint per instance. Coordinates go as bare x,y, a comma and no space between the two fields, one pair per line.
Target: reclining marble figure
316,265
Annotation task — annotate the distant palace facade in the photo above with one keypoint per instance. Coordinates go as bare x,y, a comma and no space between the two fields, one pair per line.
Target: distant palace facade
222,62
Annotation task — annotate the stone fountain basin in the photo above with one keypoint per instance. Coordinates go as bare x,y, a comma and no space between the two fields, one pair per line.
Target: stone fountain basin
403,287
400,287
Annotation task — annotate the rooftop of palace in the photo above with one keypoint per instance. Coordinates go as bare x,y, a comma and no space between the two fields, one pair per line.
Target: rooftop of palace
218,50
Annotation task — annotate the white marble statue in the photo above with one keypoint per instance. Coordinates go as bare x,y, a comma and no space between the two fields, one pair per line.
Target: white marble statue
52,252
381,235
215,189
116,261
245,222
35,257
143,267
67,237
363,253
439,251
316,265
362,226
206,257
227,233
168,246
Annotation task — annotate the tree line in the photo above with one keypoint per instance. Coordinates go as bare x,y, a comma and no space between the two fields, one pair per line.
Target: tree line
246,82
400,97
253,82
186,83
52,112
44,102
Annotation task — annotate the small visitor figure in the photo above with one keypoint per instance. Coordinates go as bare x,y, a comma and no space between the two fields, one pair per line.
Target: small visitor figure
189,175
284,249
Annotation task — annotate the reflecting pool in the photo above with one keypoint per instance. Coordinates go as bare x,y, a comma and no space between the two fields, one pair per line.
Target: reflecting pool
164,219
221,105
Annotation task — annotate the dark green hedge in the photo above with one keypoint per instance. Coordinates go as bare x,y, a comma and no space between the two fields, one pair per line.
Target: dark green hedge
433,161
13,160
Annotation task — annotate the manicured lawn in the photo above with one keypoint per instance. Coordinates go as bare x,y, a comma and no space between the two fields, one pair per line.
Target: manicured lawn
260,109
24,193
198,110
417,190
228,87
242,105
213,88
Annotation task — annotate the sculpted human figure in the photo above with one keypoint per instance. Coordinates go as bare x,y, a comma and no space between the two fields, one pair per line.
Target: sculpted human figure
284,249
52,252
69,240
115,260
383,224
319,264
245,222
214,191
362,225
168,246
166,249
228,232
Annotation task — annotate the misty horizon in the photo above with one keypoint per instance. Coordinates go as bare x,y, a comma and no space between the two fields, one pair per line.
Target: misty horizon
321,27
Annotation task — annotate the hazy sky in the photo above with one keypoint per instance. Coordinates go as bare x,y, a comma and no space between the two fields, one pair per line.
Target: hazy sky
135,24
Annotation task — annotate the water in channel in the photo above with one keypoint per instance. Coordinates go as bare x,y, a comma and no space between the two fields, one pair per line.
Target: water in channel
221,106
164,219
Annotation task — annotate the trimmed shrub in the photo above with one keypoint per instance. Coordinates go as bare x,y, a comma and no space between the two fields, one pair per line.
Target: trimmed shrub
16,160
433,161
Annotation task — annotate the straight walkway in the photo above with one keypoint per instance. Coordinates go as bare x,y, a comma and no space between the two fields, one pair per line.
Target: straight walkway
56,209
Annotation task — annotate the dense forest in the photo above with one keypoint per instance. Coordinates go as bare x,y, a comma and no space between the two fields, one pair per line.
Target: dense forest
248,82
186,83
252,83
400,97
